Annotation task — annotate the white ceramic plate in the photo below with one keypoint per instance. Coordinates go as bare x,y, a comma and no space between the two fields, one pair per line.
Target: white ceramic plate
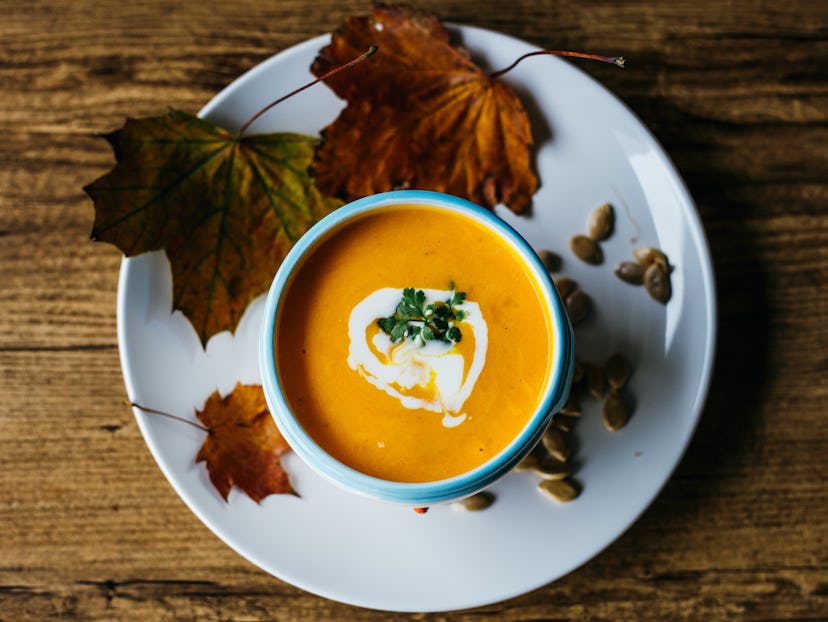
590,149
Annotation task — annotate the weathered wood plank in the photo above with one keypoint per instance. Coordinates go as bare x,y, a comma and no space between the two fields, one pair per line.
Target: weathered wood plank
736,91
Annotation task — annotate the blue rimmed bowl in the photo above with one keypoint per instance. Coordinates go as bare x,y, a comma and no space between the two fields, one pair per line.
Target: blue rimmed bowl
421,493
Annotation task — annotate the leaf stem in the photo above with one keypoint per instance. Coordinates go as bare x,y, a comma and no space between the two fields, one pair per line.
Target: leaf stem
613,60
163,414
369,52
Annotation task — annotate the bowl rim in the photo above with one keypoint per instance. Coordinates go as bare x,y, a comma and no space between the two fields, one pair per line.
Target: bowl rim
439,491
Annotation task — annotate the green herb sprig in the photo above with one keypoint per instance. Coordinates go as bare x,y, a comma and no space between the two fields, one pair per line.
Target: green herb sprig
420,322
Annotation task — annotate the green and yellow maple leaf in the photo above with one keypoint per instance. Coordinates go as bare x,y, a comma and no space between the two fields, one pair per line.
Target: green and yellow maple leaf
226,209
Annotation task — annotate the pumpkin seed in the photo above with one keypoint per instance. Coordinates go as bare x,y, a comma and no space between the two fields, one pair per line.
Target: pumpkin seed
532,459
649,255
475,503
630,272
563,422
657,283
555,443
552,468
594,380
577,373
527,464
551,260
577,305
561,490
617,369
586,249
565,286
615,413
572,406
600,222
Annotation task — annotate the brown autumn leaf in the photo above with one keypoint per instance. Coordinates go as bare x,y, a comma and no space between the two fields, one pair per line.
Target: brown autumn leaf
421,115
225,209
243,447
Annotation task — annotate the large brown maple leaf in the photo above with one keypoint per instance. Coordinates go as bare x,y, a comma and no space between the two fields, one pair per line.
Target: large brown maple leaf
421,115
225,209
243,446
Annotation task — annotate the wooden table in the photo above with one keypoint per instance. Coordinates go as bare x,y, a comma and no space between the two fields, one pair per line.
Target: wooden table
738,94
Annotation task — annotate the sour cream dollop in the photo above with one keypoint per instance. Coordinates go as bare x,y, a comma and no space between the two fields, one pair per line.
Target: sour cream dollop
435,376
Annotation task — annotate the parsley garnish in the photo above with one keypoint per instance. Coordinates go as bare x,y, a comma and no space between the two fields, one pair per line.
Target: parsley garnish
420,322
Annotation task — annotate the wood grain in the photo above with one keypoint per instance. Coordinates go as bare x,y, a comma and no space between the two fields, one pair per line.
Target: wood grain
737,91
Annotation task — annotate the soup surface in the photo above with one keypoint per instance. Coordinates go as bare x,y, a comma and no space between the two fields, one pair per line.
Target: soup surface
417,409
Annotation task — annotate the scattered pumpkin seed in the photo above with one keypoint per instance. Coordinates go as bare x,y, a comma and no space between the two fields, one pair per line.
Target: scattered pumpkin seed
586,249
552,468
600,222
630,272
565,286
617,369
527,464
572,406
563,422
555,443
577,373
649,255
615,413
532,459
594,380
551,260
475,503
577,305
657,283
561,490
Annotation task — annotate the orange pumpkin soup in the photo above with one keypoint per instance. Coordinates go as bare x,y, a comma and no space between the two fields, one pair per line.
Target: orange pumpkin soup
412,409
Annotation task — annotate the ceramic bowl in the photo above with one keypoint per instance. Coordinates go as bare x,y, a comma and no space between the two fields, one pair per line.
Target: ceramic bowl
434,492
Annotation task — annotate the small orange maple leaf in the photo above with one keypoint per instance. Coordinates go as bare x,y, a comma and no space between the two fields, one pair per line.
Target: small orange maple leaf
243,446
421,115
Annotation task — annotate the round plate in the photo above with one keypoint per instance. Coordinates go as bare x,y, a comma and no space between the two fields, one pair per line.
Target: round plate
590,149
